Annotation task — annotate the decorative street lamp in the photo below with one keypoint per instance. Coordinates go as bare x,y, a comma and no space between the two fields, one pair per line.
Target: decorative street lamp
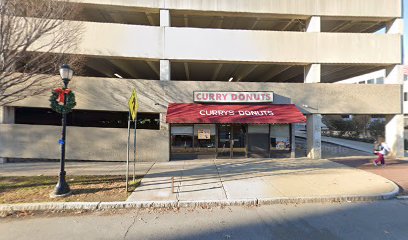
63,101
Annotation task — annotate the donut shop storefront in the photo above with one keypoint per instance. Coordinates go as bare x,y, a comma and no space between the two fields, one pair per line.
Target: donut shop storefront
232,125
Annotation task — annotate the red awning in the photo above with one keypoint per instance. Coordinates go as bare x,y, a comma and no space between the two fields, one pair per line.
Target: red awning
256,114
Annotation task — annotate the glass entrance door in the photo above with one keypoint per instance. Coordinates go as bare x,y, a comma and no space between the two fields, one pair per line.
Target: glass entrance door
231,141
224,141
239,141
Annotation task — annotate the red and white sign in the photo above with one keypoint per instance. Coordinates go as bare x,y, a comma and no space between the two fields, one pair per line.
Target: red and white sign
255,114
233,97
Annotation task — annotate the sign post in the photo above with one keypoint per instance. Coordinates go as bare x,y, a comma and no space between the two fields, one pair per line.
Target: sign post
133,107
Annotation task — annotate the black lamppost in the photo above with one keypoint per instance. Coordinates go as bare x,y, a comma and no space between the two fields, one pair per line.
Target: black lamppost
62,189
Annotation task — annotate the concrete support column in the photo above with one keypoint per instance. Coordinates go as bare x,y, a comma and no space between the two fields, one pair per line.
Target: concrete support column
394,75
165,130
395,26
312,73
394,134
313,24
164,18
293,140
7,115
163,125
314,141
165,70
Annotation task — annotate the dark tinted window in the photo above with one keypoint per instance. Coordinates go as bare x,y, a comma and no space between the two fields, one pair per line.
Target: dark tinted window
85,118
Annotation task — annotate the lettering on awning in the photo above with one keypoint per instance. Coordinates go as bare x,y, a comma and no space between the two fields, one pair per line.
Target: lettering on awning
223,113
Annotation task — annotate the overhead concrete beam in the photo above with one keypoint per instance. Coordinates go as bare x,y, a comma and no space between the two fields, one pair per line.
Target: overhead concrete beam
255,23
342,26
292,72
373,26
351,73
187,71
101,67
245,72
276,70
341,8
216,72
154,68
150,19
220,22
186,44
125,67
289,25
334,69
185,17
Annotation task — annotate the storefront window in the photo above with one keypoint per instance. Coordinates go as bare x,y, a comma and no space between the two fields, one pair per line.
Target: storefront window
280,137
204,137
182,138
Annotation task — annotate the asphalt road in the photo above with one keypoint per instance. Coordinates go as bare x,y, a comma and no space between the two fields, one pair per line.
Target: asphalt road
369,220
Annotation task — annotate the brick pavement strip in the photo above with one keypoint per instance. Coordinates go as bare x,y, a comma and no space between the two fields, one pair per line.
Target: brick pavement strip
395,170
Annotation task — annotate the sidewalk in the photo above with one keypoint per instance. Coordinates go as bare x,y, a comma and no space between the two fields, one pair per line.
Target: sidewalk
361,146
262,179
396,170
221,182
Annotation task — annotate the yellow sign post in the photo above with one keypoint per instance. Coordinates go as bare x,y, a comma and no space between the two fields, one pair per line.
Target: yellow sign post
133,107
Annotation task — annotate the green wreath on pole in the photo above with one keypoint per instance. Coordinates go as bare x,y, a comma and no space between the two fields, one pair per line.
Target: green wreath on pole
57,98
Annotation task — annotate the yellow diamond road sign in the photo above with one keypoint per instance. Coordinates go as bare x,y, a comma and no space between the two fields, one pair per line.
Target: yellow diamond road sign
133,105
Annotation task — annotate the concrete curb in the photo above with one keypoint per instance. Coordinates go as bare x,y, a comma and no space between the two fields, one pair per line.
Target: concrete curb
402,197
186,204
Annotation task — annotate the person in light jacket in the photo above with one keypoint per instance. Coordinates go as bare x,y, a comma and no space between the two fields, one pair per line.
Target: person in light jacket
380,149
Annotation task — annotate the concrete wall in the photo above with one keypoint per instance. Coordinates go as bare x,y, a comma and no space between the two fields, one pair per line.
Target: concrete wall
359,8
150,42
112,94
105,144
120,40
285,47
110,39
33,141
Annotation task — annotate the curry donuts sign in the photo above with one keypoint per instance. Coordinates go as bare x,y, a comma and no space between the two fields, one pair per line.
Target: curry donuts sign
233,97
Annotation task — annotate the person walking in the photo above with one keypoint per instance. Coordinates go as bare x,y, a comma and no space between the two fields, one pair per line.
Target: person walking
380,149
